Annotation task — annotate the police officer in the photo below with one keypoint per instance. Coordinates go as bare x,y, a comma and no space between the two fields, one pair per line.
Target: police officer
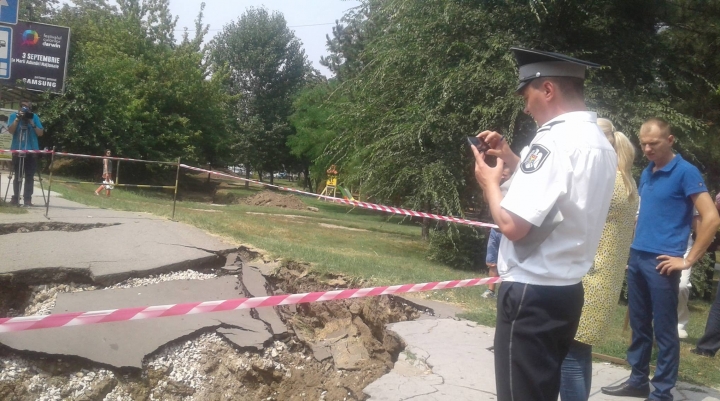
551,219
25,127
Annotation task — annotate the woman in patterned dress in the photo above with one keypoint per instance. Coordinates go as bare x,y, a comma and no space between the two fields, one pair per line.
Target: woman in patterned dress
603,282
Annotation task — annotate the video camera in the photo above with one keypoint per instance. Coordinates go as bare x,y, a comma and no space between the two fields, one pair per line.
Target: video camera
25,113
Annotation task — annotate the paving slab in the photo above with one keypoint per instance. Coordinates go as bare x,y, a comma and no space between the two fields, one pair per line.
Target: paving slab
256,286
447,359
126,344
133,244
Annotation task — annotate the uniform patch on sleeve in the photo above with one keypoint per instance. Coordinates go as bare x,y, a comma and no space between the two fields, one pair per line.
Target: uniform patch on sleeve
534,159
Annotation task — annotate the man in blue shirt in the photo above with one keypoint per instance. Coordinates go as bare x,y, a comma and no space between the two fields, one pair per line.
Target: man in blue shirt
25,127
669,189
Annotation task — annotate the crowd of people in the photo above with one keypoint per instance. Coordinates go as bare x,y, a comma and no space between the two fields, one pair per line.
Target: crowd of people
563,256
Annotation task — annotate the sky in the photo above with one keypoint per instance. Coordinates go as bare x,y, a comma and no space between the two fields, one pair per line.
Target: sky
310,19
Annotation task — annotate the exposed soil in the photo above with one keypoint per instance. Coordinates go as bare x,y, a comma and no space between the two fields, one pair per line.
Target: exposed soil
333,351
274,199
48,226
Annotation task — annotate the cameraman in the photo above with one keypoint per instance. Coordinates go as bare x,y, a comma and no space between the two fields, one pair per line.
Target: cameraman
25,127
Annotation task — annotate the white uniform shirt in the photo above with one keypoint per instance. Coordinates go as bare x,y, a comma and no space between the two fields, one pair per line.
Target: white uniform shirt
566,178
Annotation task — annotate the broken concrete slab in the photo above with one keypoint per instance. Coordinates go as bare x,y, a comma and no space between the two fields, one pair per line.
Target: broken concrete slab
431,309
256,286
448,359
266,269
126,344
463,366
233,263
348,352
244,338
134,244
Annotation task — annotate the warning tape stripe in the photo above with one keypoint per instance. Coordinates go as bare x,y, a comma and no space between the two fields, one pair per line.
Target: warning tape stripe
364,205
151,312
81,155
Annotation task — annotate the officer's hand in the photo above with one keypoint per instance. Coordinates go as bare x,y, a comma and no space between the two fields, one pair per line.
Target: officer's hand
499,148
484,174
669,264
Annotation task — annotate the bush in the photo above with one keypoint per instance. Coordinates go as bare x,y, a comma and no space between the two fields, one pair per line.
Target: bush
460,247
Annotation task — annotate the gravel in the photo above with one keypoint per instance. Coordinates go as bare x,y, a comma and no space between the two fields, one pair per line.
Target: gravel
43,299
183,364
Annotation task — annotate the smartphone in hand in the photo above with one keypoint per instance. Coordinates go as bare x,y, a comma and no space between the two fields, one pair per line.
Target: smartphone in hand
480,145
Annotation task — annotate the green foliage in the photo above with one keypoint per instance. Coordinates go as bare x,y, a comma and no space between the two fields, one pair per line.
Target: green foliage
267,67
311,120
420,76
701,277
461,247
132,90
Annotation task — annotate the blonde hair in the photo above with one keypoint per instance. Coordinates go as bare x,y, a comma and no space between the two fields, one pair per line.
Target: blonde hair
625,152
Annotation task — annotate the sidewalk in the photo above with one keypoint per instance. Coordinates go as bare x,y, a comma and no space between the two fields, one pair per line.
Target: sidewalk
448,359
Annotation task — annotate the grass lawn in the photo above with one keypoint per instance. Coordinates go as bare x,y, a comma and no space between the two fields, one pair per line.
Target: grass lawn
380,249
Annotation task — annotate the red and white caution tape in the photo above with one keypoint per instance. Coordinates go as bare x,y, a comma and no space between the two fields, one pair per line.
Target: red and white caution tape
151,312
24,151
84,156
364,205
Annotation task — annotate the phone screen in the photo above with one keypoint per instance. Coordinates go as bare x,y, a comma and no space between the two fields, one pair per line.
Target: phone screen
480,145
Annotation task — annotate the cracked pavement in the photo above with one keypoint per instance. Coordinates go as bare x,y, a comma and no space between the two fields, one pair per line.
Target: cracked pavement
448,359
139,244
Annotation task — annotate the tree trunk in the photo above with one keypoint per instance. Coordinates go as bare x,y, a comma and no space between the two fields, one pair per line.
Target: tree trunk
247,175
260,175
272,177
426,224
307,183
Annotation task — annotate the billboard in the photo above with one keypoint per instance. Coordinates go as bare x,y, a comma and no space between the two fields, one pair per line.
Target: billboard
39,56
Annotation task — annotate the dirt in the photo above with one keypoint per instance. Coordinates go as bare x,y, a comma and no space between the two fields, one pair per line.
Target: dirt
274,199
333,350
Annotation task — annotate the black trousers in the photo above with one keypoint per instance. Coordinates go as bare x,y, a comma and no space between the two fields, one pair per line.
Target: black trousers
535,327
710,341
28,162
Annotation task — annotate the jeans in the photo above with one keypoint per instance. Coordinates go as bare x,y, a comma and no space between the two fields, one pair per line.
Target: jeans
576,373
28,163
652,302
493,246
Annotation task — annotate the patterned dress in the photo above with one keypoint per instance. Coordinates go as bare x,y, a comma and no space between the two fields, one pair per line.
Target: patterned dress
603,282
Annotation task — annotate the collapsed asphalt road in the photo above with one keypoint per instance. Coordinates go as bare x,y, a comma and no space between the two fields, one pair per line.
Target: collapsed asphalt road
85,258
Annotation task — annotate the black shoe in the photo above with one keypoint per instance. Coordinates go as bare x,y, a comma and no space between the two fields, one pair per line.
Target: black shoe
14,201
28,203
627,390
701,352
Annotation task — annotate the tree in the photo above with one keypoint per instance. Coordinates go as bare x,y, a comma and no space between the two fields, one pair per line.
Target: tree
130,90
311,120
37,10
438,70
350,35
267,67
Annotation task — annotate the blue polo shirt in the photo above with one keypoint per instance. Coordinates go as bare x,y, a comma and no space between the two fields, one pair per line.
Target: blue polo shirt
666,209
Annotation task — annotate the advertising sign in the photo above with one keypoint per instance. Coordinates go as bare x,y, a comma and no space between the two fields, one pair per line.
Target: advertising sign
5,51
39,56
9,11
